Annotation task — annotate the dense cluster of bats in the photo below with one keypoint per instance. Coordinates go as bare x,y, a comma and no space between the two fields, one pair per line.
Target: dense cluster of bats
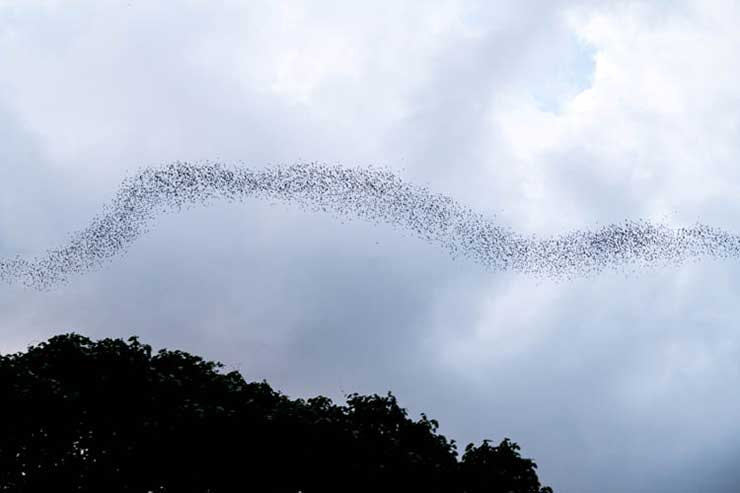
376,195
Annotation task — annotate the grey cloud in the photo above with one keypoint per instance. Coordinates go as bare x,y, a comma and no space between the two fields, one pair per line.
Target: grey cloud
569,370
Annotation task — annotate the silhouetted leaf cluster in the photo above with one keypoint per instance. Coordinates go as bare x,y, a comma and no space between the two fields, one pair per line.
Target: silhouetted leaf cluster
110,416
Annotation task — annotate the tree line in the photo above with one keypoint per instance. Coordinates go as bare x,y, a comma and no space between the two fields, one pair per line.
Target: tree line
112,416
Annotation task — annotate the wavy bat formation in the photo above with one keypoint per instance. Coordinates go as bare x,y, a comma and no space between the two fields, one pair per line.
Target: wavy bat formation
376,195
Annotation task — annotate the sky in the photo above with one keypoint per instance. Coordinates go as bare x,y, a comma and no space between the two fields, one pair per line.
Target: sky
548,116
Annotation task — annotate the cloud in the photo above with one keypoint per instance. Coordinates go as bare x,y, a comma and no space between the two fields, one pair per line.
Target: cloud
552,116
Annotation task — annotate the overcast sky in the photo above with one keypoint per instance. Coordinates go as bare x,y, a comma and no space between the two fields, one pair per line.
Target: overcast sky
551,115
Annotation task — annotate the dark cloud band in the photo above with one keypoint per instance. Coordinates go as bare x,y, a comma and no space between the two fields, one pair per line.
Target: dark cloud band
376,195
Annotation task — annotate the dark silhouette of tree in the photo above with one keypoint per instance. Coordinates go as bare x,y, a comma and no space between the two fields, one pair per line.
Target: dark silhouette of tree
500,468
110,416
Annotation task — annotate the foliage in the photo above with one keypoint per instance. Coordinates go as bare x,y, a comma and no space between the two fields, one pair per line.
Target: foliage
109,415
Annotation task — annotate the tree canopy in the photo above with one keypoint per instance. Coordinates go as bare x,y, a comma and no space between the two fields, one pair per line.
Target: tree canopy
110,415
